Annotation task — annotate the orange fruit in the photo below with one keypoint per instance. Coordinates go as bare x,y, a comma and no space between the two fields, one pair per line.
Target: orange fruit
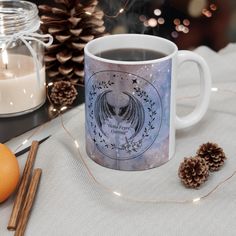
9,172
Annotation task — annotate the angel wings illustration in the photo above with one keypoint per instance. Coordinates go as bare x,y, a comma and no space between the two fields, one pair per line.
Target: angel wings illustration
122,107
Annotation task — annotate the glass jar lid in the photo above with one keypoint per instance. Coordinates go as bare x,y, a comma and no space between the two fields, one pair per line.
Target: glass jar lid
17,16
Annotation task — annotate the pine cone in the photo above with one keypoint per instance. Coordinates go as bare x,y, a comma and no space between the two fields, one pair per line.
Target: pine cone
193,171
72,23
213,154
63,93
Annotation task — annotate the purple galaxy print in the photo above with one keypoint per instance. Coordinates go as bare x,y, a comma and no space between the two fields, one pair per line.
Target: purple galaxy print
128,114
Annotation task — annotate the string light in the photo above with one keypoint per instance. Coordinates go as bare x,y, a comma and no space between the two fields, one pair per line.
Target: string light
186,22
177,21
76,144
117,193
120,11
206,13
145,23
213,7
139,200
180,27
214,89
25,141
30,136
63,108
152,22
56,111
175,34
186,30
157,12
126,197
196,199
161,20
142,18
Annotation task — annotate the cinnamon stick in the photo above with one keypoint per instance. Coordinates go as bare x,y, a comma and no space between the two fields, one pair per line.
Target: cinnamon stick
29,200
23,186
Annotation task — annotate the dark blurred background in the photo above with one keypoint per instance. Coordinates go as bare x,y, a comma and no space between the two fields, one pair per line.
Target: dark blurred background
189,23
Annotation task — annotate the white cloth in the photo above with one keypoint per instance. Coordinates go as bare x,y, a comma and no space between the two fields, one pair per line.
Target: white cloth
70,203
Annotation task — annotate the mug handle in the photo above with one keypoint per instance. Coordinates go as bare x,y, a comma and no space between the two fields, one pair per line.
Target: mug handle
205,89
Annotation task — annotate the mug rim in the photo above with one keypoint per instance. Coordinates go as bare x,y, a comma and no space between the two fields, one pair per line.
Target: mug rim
141,62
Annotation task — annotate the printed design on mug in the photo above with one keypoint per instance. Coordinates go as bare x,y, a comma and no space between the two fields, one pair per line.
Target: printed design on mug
124,114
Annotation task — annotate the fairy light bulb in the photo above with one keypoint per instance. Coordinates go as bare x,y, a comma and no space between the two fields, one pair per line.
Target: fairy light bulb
161,20
152,22
157,12
195,200
25,141
213,7
214,89
63,108
117,193
121,10
76,144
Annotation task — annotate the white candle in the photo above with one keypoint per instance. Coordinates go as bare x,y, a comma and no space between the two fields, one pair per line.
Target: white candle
20,91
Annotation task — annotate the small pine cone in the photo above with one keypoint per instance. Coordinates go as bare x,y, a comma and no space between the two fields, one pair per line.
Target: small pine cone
213,154
193,171
63,93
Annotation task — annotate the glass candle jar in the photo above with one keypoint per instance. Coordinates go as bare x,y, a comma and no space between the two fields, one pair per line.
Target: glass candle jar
22,70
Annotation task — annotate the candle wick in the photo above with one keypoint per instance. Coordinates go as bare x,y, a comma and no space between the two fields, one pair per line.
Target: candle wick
6,66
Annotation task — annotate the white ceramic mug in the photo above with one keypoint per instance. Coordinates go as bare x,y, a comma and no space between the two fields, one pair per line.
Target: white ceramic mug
130,105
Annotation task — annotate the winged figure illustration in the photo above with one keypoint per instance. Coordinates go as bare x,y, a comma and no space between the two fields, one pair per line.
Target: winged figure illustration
120,107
